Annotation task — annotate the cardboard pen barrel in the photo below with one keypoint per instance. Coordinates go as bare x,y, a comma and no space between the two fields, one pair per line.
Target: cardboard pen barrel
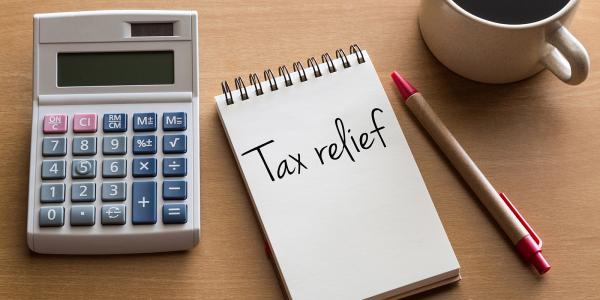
467,168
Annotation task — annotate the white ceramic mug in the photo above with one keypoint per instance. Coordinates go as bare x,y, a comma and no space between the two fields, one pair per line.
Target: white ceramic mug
492,52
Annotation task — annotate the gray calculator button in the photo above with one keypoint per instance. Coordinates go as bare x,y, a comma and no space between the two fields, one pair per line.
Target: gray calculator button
84,145
54,146
52,192
114,168
83,192
53,169
114,191
84,168
52,216
114,145
113,214
83,215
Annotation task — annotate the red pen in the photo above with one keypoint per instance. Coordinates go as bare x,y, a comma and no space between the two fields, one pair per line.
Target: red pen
527,243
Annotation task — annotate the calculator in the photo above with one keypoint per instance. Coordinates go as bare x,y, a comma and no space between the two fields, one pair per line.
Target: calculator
115,153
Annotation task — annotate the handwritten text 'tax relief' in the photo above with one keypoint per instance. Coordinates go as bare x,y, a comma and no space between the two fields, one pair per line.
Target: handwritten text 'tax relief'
347,145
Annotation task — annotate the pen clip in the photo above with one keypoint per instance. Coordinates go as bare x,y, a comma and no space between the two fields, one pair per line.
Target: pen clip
514,210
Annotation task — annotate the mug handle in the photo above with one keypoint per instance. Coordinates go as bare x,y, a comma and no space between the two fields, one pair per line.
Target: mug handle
568,59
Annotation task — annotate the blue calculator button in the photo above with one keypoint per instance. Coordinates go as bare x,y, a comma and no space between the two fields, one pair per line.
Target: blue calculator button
173,167
174,190
144,144
174,121
144,122
144,203
174,213
174,143
144,167
114,122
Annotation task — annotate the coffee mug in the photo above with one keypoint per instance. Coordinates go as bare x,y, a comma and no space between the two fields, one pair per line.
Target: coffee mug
500,41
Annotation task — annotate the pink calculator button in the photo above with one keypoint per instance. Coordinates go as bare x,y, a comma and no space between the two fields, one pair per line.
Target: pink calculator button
84,123
55,123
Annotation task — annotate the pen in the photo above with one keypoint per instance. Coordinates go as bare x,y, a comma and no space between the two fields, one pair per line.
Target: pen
527,243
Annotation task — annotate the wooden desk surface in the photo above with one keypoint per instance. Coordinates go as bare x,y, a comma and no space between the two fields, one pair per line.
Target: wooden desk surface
538,140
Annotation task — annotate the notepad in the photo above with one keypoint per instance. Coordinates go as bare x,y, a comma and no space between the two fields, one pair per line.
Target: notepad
337,192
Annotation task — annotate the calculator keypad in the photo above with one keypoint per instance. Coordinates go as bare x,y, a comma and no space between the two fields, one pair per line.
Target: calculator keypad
103,175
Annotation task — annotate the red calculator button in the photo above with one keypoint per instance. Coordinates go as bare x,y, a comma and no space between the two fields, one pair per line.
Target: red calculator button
56,123
85,123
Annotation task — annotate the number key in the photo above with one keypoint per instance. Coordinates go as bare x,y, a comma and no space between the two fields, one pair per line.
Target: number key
114,191
52,192
116,168
54,146
84,145
114,145
54,169
83,192
84,168
52,216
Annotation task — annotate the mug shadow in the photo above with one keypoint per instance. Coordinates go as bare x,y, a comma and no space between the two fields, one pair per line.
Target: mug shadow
527,107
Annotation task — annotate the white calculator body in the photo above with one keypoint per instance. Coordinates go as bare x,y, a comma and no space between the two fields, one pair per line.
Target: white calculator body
115,152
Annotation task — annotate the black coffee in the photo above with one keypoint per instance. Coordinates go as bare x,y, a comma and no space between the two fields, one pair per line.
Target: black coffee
512,11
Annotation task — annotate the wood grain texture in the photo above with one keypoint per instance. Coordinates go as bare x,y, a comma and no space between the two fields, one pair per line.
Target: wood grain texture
537,140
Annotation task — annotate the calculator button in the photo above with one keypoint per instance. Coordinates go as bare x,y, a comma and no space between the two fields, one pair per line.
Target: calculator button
174,214
173,167
84,168
144,144
54,169
114,122
114,191
84,145
113,214
144,122
52,216
83,215
56,123
174,143
85,123
174,190
174,121
54,146
112,145
144,202
144,167
52,192
114,168
83,192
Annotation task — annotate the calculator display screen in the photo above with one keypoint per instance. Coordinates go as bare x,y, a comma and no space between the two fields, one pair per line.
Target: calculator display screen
115,68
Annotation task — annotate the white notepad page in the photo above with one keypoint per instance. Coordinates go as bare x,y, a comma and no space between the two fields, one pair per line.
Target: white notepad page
359,226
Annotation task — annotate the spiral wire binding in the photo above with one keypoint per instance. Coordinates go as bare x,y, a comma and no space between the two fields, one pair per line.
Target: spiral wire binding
283,72
227,92
327,59
239,85
312,62
271,78
298,68
254,80
339,53
354,49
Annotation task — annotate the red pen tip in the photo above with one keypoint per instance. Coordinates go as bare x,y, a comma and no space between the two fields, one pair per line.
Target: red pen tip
406,89
540,263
